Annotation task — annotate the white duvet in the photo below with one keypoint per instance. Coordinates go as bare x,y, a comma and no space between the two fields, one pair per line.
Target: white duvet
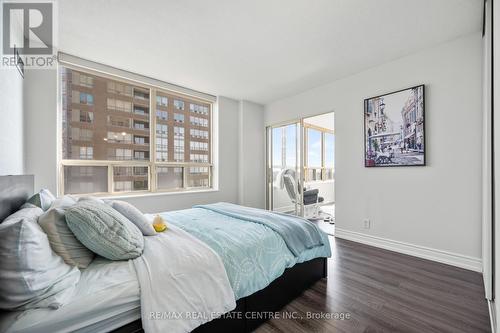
182,281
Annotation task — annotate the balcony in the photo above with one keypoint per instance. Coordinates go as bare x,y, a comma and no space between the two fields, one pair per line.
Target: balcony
139,125
141,110
141,95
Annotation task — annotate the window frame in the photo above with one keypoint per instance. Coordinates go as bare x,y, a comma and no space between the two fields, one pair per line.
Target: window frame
151,163
323,167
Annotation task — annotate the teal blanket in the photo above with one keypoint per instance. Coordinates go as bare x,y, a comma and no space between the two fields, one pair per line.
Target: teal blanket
253,254
299,234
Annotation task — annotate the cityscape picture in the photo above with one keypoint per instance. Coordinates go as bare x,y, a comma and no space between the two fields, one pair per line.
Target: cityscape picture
394,129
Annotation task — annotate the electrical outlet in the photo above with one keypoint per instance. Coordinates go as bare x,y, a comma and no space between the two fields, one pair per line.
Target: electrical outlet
367,223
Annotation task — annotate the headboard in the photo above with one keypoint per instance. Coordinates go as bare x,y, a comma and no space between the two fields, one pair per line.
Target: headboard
14,191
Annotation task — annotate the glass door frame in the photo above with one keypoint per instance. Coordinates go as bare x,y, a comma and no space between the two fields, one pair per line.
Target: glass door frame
299,170
301,166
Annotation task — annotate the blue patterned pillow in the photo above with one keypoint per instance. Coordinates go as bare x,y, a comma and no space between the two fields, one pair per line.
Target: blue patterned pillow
105,231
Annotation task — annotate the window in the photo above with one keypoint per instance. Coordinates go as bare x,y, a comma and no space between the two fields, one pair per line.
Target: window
123,186
85,179
201,109
81,134
329,155
313,148
199,134
82,80
319,153
141,155
161,115
179,105
161,142
82,153
119,105
82,98
196,121
118,88
169,178
141,125
106,137
200,158
140,140
143,111
178,118
141,94
198,177
178,144
128,179
117,137
119,122
161,100
119,154
284,149
82,116
196,145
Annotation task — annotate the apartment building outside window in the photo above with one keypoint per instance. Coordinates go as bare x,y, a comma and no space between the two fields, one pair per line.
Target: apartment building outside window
119,105
118,88
198,121
162,115
82,116
161,100
82,98
178,104
200,109
178,118
108,128
82,80
82,153
178,144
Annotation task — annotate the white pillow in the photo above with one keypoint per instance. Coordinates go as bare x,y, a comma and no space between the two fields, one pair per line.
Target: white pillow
135,216
90,198
64,202
61,238
42,199
31,275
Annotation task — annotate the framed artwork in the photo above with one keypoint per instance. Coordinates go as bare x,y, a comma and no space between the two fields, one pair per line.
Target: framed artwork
395,129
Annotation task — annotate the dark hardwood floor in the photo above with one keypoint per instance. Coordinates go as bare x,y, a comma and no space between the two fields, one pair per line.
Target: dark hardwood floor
383,291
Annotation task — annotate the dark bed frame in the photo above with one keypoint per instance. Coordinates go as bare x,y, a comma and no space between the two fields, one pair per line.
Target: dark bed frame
250,311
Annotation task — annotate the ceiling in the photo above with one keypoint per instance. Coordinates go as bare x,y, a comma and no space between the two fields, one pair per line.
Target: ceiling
258,50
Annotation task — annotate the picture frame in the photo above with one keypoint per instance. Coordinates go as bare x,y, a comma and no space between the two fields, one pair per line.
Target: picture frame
394,128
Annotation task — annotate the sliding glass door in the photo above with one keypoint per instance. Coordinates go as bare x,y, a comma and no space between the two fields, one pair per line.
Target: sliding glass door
300,167
284,175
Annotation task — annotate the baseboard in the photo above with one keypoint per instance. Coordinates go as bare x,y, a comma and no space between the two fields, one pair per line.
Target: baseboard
493,322
454,259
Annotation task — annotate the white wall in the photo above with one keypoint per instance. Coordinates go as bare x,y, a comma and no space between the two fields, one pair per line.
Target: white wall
251,155
437,206
40,105
11,115
11,124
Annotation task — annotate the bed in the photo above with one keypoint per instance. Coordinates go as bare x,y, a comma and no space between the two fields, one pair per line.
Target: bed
108,296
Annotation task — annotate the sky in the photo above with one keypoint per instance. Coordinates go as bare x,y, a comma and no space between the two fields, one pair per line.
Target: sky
314,147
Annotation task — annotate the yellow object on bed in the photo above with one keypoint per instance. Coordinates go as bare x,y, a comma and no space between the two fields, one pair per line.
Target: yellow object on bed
159,224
